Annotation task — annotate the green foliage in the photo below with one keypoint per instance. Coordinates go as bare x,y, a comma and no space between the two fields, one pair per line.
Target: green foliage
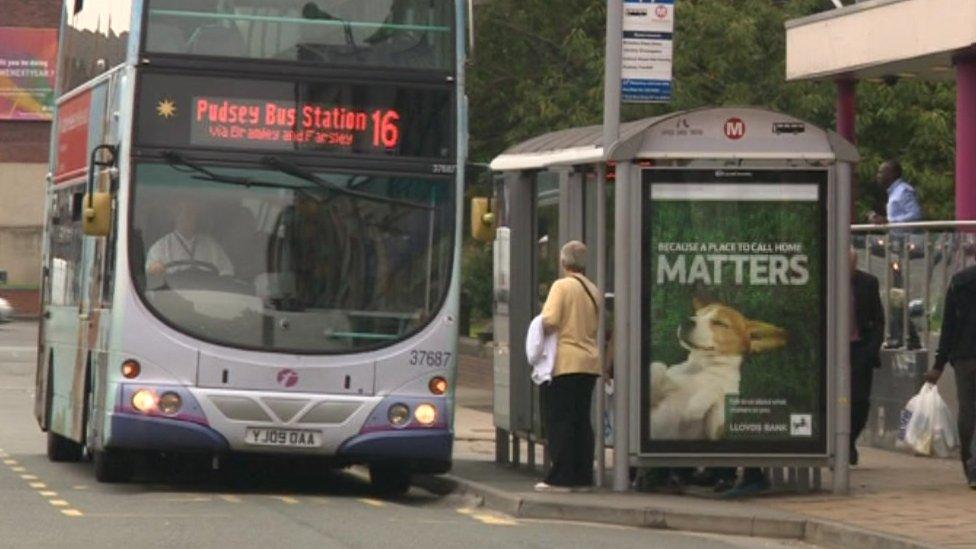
538,67
476,282
915,122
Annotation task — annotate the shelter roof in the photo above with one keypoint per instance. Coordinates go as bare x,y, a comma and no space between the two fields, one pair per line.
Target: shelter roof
881,39
708,133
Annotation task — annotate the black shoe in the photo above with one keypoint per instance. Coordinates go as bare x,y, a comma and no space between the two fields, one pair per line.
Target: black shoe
723,485
650,480
669,485
852,459
705,478
745,489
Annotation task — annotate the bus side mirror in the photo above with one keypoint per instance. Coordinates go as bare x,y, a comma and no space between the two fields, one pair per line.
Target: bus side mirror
96,214
97,206
482,220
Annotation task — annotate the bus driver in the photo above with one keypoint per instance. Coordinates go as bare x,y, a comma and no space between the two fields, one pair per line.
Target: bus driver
186,244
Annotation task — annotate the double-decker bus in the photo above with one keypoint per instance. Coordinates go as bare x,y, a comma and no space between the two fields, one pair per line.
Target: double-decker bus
252,237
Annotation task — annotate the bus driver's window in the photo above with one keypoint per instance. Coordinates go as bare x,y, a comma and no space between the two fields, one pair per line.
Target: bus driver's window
186,247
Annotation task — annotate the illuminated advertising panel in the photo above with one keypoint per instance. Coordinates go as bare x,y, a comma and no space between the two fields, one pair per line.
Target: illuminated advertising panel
27,69
734,314
345,119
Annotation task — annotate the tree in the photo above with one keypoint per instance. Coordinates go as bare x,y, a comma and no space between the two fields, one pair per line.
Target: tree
539,67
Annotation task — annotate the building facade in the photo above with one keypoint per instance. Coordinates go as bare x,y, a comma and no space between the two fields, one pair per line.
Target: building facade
24,148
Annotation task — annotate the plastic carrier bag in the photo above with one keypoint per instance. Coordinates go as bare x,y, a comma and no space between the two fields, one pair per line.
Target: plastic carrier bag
927,425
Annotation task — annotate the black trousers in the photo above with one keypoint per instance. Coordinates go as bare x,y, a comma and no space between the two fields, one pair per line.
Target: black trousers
568,430
965,371
862,376
897,313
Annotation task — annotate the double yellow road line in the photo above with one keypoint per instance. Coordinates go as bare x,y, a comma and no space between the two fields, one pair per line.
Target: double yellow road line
39,486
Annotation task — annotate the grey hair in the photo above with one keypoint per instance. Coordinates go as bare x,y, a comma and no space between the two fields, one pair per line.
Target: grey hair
573,256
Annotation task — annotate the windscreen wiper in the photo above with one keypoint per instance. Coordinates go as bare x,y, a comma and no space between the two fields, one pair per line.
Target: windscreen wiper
311,10
295,170
181,164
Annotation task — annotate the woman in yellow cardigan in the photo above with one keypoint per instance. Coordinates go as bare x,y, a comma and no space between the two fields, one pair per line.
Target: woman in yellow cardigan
571,311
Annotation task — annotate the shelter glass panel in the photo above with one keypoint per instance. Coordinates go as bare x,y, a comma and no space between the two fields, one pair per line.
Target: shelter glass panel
547,234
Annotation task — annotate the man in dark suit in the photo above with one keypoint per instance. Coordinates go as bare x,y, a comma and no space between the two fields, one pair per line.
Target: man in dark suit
957,346
867,333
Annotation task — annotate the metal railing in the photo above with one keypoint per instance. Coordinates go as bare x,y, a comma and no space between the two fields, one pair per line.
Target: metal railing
914,263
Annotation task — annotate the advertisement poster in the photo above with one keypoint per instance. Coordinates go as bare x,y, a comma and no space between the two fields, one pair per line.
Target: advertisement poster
734,312
27,67
648,48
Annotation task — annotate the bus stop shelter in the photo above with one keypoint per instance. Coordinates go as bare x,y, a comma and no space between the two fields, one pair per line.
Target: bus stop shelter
697,222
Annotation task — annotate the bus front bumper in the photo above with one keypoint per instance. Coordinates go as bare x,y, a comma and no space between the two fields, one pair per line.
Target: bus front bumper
159,434
363,434
425,451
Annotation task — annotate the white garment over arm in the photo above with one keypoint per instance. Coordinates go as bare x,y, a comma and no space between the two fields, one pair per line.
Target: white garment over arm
205,249
540,349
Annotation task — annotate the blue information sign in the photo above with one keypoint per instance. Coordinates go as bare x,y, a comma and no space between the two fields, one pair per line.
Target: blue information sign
648,35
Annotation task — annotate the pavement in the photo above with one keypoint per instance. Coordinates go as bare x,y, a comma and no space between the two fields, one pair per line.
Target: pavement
896,500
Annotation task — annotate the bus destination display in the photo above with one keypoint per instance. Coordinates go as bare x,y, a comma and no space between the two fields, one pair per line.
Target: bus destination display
342,119
222,121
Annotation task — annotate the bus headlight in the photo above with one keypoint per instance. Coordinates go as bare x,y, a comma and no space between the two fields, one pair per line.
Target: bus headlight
399,415
425,414
170,403
144,400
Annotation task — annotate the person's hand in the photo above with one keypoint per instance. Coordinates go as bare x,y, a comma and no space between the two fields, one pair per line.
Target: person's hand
932,376
876,218
156,268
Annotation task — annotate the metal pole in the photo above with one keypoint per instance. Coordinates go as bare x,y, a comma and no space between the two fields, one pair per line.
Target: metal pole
888,283
965,137
842,332
905,258
601,284
621,330
846,117
611,133
611,78
927,289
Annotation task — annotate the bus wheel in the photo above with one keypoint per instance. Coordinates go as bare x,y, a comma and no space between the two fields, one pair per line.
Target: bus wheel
389,479
63,449
112,466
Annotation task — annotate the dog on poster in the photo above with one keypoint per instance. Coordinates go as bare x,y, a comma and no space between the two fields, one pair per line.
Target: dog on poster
688,399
